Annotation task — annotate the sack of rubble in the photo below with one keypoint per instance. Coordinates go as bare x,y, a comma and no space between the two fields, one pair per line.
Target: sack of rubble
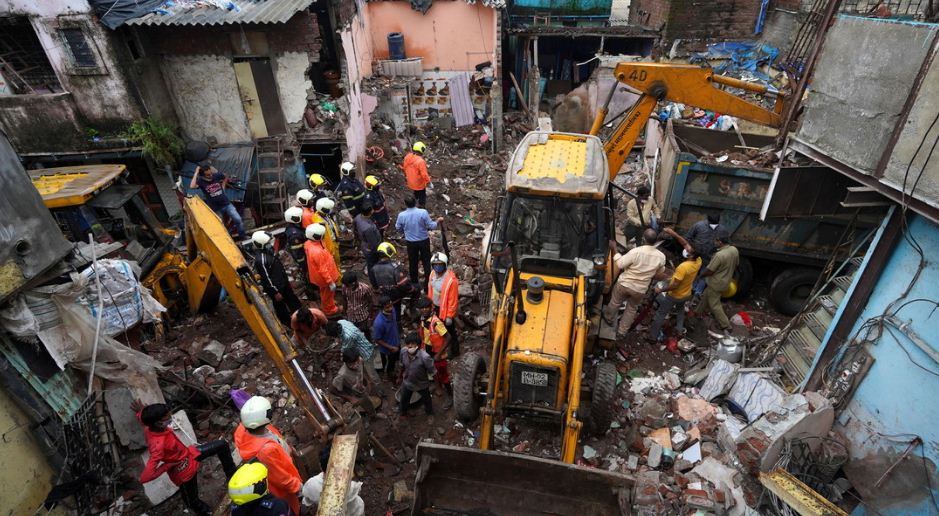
126,301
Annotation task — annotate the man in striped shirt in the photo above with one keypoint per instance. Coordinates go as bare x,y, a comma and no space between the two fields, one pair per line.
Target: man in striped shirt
358,295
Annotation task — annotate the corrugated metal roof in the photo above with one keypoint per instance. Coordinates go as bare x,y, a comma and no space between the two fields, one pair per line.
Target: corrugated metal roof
249,11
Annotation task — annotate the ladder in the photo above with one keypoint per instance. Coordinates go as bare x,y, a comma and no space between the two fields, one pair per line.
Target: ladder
271,186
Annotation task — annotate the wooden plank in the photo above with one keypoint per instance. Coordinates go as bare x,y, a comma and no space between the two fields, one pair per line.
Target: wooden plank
797,495
339,475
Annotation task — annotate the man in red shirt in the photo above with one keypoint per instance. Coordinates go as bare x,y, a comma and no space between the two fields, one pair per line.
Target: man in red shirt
415,171
169,455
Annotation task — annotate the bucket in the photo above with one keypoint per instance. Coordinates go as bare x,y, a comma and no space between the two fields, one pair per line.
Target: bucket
396,45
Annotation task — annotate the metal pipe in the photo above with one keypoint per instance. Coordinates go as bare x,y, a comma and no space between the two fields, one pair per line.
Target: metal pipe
520,315
744,85
913,444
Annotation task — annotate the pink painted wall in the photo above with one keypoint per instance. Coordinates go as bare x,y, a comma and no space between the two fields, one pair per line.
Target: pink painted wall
453,35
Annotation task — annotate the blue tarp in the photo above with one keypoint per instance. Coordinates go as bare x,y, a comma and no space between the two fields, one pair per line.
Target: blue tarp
742,58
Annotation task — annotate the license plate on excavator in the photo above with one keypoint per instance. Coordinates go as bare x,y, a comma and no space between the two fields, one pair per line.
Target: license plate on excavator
534,379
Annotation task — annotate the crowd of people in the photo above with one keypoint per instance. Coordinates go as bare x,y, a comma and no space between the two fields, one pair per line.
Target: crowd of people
361,310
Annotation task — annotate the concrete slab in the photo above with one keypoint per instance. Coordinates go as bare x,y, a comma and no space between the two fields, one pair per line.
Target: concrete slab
128,428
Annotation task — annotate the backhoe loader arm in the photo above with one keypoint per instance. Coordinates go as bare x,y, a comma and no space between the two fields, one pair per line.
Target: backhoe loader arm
215,262
687,84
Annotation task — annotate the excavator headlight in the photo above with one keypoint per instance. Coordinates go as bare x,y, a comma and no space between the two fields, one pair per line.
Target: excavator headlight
599,262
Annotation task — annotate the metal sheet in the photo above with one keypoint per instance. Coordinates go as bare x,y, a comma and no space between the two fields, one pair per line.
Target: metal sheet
463,113
249,11
115,197
30,239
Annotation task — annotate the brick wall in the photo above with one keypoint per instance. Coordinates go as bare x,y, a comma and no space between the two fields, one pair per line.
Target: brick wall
712,19
300,34
649,13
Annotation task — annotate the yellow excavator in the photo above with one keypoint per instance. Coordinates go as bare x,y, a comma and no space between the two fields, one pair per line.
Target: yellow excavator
550,259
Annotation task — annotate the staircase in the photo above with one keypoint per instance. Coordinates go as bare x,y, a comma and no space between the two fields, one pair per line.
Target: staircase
271,185
800,346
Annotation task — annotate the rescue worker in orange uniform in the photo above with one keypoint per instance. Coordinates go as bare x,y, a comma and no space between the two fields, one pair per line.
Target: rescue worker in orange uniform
323,215
257,438
436,342
304,198
415,171
443,289
321,268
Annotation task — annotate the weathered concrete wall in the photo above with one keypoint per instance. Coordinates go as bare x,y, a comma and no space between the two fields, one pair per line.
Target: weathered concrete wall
205,94
42,123
356,47
915,131
451,36
292,83
863,77
26,477
781,28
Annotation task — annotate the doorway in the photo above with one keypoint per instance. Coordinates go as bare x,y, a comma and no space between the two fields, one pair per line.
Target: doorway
259,96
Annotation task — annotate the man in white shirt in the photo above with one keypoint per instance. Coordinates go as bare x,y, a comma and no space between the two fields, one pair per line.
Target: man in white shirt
639,267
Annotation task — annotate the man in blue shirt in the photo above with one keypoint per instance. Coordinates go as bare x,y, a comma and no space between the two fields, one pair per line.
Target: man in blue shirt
385,334
212,183
414,222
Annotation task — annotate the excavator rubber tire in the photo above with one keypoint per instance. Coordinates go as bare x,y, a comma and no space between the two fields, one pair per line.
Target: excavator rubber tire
601,406
787,291
465,397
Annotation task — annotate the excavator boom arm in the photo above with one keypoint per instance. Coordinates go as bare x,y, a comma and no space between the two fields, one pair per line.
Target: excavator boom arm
216,262
687,84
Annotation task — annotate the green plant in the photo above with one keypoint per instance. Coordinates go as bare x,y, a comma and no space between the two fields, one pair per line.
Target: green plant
158,140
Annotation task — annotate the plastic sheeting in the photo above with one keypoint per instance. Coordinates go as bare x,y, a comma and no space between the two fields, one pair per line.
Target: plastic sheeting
313,488
126,301
743,59
114,13
719,380
756,395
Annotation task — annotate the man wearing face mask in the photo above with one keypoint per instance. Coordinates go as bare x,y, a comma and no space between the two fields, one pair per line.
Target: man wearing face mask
418,372
700,238
444,292
675,295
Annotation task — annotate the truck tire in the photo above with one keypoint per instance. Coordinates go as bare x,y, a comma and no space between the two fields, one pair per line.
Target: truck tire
604,392
466,384
791,288
744,277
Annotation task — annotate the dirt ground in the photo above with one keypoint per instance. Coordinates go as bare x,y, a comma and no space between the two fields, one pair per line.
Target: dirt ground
467,179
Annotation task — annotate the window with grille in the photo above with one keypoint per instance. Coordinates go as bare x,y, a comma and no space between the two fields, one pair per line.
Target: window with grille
82,54
23,61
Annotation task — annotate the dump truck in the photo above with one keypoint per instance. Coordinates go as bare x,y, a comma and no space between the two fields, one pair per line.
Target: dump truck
791,250
551,262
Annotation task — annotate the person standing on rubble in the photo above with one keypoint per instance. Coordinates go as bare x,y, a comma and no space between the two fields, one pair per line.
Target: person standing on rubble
675,295
418,372
718,275
638,268
257,439
415,223
415,172
321,268
444,291
369,238
352,338
700,238
305,203
349,190
323,215
435,339
250,495
358,297
212,183
295,237
390,277
386,336
320,187
274,277
379,211
169,455
641,213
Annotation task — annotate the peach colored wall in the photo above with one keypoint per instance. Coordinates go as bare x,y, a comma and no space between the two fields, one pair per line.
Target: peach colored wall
453,35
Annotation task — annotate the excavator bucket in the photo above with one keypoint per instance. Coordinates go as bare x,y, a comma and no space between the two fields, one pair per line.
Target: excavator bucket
455,481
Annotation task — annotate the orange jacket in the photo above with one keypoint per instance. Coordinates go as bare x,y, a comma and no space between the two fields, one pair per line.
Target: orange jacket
331,239
307,218
449,293
432,332
415,170
320,266
283,479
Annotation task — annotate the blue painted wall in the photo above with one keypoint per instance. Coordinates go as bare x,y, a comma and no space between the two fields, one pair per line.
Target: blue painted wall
896,398
598,7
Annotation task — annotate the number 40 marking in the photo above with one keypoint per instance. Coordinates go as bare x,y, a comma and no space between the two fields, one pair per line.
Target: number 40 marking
638,75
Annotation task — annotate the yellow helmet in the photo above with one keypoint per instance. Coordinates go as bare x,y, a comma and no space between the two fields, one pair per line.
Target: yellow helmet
387,249
248,483
317,180
371,181
731,289
419,147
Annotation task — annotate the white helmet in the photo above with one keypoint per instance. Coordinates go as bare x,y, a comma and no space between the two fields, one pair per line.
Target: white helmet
256,412
294,214
439,257
304,197
261,238
325,205
346,168
315,231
